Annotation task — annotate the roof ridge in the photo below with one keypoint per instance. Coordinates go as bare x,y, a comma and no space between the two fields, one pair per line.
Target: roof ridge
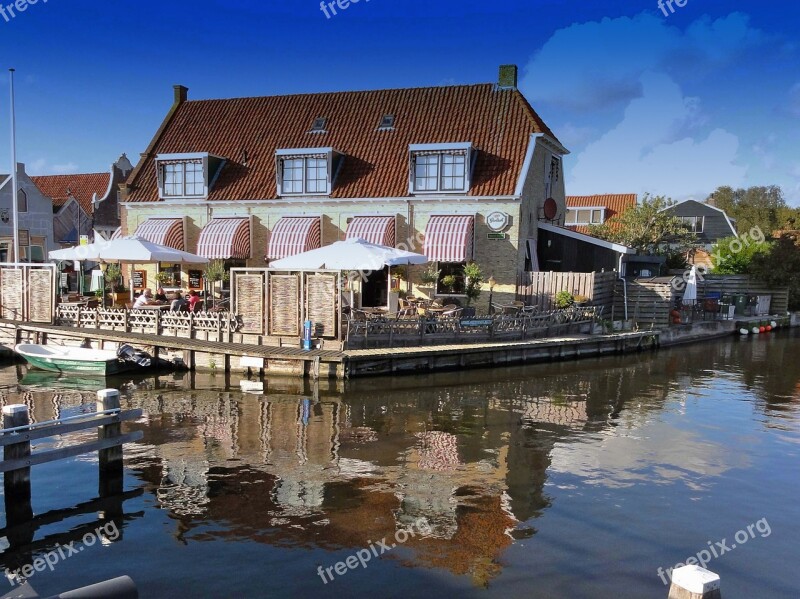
338,92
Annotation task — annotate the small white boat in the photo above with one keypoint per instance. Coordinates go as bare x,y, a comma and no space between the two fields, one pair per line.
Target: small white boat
56,358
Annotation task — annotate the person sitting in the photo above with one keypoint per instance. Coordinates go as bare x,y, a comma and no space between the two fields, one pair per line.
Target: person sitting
178,303
146,299
194,300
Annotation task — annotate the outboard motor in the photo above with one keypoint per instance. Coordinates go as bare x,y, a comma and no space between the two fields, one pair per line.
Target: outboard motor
126,353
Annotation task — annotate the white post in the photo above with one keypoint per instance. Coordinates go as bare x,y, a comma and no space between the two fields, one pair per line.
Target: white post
694,582
14,190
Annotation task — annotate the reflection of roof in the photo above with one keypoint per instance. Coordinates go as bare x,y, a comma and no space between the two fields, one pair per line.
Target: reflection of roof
81,187
247,132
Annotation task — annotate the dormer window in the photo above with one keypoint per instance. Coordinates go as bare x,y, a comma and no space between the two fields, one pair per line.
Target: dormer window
387,122
442,168
306,171
187,176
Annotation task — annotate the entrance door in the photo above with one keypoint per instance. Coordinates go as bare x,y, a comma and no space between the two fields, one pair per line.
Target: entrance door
374,290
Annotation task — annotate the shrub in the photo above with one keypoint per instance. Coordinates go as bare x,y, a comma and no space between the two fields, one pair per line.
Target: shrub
564,299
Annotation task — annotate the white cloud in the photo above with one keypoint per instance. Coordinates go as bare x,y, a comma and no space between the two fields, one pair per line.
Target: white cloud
642,153
575,135
42,166
596,65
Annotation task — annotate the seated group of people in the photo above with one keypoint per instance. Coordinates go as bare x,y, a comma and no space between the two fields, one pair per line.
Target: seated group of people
192,302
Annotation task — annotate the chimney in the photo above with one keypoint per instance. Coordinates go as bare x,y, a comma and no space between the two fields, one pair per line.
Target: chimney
508,76
181,94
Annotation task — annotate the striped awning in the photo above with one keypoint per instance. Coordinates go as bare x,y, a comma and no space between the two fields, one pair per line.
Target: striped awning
117,233
375,229
294,235
449,238
163,231
225,239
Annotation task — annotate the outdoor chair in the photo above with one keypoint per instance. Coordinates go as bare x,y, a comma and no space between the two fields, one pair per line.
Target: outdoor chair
455,312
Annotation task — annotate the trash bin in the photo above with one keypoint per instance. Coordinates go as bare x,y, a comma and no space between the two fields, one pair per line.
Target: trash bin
740,301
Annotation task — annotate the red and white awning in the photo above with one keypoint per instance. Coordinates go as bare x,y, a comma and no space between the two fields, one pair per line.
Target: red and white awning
449,238
225,239
294,235
163,231
117,233
379,230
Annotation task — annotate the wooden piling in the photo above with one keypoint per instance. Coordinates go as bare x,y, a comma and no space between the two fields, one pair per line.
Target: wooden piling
17,484
111,458
694,582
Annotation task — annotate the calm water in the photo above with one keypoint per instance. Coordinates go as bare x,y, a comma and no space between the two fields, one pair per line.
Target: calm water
563,480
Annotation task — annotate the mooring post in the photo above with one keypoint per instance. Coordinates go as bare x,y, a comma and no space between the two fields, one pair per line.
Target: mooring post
111,458
17,483
694,582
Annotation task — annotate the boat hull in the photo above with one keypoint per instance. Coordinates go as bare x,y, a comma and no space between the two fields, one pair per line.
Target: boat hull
52,362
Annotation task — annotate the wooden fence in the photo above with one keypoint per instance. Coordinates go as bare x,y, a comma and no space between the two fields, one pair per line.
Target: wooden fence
27,292
210,326
540,288
740,284
276,302
387,332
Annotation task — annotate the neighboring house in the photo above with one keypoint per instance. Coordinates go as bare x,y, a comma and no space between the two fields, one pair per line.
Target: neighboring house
708,223
583,211
459,173
84,203
35,214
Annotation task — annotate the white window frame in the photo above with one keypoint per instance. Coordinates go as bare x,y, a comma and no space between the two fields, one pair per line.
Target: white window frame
201,158
590,210
692,221
440,153
310,158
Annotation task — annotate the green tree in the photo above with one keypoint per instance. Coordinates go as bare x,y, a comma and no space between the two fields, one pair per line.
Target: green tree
780,266
763,207
647,228
734,255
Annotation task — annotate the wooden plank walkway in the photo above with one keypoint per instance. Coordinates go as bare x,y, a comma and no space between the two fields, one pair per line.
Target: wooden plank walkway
179,343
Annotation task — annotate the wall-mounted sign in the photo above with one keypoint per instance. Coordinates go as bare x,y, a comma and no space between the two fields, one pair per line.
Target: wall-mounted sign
5,216
497,221
84,240
495,236
139,280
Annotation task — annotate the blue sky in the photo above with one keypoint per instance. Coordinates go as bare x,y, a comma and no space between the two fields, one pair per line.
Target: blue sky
679,104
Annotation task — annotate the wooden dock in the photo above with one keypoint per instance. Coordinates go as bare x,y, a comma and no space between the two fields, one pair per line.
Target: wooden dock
330,363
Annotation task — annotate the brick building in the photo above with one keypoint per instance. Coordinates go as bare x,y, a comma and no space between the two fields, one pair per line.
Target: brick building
459,173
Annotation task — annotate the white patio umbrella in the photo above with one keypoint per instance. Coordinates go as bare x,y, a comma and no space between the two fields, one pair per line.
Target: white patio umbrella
690,292
351,254
127,250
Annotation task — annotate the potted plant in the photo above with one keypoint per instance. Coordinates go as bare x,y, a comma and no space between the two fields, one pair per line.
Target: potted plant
580,300
214,273
429,276
447,283
163,277
473,276
564,299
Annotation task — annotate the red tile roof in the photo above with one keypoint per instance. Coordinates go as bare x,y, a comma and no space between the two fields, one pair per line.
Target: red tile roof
81,187
614,203
498,122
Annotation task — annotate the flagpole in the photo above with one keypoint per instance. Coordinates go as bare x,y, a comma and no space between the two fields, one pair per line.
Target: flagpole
15,187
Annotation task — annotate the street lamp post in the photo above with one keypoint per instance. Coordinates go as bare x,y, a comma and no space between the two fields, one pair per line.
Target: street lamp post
492,282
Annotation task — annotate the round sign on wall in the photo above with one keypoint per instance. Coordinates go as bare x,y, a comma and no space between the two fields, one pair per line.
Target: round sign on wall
497,221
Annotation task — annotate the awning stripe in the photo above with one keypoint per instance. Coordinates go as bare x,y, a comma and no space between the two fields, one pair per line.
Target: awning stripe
294,235
449,238
163,231
225,239
379,230
117,233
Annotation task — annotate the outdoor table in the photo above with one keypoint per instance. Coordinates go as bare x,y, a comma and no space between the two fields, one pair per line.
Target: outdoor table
165,307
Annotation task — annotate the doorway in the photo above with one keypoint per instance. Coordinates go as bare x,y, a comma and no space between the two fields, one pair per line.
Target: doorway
374,291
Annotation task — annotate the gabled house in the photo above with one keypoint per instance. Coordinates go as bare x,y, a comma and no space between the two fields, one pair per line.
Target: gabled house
708,223
458,173
584,211
84,203
35,216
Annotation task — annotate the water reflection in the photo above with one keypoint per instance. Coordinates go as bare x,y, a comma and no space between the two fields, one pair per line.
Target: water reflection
334,466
